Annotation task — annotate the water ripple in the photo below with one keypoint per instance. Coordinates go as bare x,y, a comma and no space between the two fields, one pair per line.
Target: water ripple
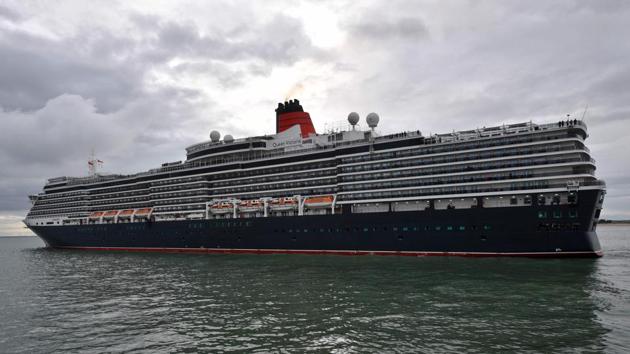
68,301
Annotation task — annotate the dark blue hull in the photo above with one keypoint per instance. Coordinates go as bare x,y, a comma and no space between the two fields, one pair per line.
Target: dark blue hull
508,231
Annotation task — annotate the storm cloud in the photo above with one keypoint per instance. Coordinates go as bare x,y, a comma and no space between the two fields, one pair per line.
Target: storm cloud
139,83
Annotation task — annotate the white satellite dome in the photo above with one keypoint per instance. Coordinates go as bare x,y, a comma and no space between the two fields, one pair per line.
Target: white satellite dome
215,136
372,120
228,139
353,118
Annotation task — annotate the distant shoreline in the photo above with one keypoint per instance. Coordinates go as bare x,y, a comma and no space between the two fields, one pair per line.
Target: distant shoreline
613,222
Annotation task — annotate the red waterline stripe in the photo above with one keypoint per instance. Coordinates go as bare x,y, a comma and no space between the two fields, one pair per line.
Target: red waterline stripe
598,253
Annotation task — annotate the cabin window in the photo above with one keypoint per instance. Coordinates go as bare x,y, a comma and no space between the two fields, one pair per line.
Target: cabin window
542,214
557,214
556,199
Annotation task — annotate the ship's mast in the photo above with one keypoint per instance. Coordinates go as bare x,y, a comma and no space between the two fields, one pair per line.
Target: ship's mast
93,164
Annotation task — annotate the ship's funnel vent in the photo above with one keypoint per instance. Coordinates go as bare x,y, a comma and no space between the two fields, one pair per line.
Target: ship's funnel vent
291,113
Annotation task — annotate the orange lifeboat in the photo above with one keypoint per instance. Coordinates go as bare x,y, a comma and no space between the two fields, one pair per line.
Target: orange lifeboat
222,208
282,204
125,214
96,215
324,201
250,206
143,213
110,214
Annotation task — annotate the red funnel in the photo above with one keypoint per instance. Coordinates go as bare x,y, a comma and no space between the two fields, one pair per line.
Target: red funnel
291,113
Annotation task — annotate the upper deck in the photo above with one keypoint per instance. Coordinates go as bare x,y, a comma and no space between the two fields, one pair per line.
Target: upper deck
286,144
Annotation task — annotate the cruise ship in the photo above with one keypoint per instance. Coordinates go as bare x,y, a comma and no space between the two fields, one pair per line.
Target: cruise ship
523,189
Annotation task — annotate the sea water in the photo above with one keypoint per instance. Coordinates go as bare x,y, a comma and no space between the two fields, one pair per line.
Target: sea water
86,301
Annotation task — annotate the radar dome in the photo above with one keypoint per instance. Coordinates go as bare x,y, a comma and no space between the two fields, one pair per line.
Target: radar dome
228,139
372,120
353,118
215,136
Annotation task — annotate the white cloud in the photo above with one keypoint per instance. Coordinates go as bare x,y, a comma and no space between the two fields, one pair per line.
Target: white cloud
11,225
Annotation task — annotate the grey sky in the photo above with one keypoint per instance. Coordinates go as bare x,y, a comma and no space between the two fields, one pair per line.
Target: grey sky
139,81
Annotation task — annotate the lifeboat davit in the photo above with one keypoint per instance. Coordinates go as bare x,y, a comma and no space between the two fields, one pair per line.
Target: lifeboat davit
324,201
222,208
282,204
251,206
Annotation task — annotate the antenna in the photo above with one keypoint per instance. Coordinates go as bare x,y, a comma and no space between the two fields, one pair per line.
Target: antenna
93,164
584,113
